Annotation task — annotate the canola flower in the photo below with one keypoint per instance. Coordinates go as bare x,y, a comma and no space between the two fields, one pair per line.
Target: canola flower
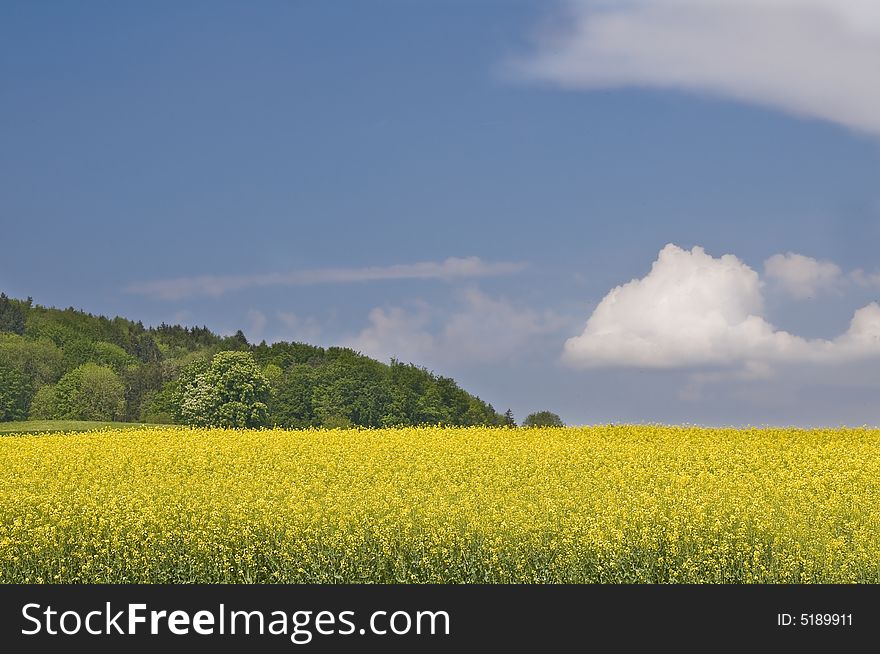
613,504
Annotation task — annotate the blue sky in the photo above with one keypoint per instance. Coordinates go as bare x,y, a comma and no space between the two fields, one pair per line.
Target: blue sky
461,184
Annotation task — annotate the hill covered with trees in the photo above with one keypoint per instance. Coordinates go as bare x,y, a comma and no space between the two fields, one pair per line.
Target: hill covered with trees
72,365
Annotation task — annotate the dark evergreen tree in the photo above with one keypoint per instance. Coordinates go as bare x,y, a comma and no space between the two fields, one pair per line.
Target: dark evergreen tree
11,315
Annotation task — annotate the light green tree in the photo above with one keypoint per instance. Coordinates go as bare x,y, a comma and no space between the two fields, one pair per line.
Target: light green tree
40,361
44,405
232,392
90,392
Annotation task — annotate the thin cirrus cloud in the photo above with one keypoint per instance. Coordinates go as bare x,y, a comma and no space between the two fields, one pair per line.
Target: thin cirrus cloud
811,58
451,269
694,310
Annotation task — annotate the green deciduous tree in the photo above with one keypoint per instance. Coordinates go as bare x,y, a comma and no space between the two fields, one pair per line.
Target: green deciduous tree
90,392
14,394
273,375
40,361
292,405
164,405
141,382
543,419
112,355
44,406
232,392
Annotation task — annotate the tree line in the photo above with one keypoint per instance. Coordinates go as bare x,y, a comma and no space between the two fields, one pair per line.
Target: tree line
69,364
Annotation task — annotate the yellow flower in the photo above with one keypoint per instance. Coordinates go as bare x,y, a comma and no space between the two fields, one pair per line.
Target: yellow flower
598,504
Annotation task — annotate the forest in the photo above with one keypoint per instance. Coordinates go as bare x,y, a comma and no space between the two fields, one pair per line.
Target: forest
67,364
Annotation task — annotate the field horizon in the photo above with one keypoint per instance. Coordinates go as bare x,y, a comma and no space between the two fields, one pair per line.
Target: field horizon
29,427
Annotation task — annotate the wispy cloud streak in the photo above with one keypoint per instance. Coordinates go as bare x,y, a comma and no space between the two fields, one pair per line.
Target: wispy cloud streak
453,268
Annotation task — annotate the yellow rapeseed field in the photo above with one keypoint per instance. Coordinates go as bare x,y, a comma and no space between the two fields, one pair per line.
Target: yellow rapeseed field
473,505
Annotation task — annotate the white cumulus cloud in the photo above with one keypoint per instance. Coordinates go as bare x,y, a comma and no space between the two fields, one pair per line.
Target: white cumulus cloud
695,310
812,58
802,276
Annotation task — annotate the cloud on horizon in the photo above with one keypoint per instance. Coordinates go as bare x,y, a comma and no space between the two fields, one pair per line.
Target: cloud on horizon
300,329
451,269
480,329
693,310
810,58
